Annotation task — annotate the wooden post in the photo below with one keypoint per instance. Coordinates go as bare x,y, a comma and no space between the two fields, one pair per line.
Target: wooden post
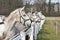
56,29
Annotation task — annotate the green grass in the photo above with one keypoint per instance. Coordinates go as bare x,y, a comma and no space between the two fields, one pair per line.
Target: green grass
58,21
48,32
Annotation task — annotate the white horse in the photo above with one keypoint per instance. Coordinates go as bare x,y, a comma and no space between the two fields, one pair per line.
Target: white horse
6,26
17,15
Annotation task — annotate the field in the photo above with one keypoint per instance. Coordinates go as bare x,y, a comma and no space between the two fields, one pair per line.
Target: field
49,32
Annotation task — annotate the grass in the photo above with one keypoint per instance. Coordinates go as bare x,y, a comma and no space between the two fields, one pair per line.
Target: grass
48,32
58,21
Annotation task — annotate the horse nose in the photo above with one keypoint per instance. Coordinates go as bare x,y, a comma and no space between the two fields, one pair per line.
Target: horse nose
4,34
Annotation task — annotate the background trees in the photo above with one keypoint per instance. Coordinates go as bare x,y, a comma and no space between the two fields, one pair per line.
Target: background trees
48,9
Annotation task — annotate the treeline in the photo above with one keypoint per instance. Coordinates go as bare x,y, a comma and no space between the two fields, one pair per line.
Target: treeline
7,6
48,9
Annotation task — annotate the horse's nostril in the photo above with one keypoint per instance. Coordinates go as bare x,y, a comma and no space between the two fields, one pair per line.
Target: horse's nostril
4,34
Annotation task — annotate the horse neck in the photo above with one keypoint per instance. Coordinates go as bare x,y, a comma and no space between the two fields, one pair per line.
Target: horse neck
12,18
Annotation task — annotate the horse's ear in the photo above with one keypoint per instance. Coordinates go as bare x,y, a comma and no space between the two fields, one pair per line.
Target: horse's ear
22,8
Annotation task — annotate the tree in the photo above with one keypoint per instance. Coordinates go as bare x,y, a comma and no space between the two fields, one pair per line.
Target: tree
58,6
49,6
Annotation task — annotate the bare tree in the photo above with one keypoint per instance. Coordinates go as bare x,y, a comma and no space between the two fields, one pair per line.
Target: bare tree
58,6
49,6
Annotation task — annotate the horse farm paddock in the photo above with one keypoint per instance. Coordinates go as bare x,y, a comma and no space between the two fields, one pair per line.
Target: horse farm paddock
50,31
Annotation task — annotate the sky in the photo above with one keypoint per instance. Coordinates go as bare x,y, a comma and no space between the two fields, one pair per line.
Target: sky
53,1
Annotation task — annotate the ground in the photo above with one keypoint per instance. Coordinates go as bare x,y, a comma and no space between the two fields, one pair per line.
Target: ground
50,29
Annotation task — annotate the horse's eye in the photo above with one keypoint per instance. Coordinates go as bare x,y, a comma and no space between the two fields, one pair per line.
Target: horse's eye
24,15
